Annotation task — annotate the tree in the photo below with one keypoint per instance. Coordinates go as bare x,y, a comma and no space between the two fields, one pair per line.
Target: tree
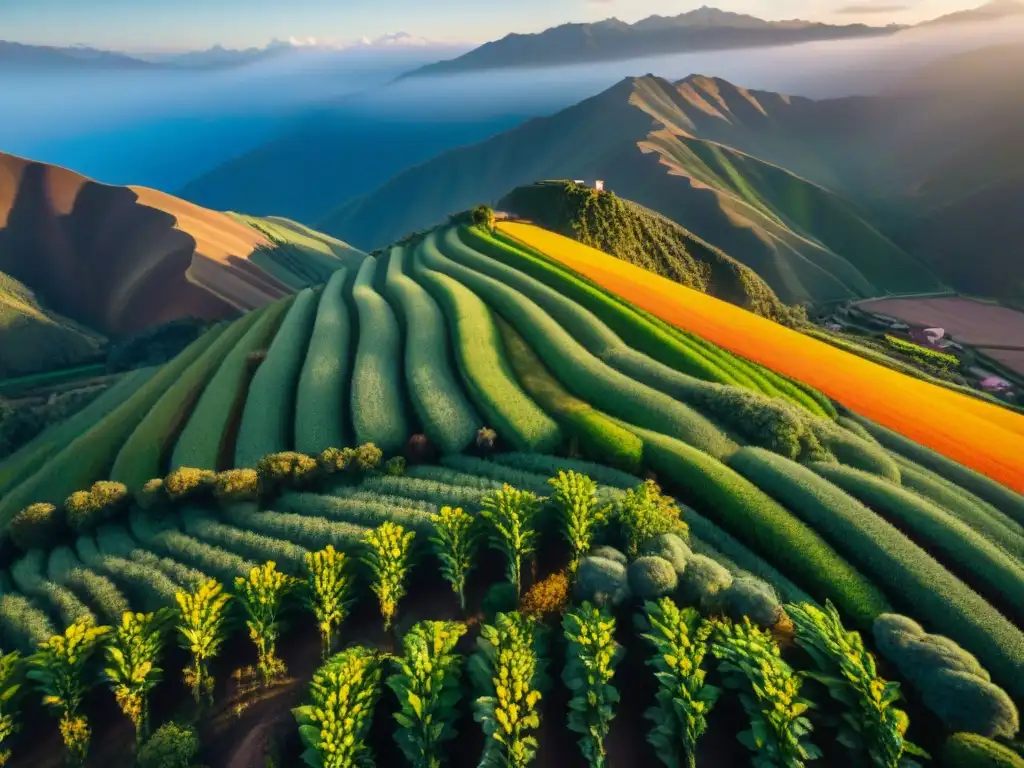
388,559
455,544
201,629
576,498
512,515
9,686
132,654
262,595
59,669
329,592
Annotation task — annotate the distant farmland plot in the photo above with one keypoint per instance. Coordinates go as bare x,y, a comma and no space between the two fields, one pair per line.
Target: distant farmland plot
1011,358
977,323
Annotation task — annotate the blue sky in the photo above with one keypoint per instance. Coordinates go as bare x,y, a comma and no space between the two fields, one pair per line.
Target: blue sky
173,24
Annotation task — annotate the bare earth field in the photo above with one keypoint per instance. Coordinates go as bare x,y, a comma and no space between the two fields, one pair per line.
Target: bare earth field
1011,358
969,322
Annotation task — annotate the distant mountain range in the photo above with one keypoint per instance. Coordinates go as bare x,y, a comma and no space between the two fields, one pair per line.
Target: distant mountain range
17,55
825,200
698,30
997,9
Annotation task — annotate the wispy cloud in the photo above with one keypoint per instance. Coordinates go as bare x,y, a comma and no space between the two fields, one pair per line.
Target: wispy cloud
864,9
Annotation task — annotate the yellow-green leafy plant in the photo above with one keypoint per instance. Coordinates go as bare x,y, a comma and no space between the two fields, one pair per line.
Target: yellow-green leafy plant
237,485
580,513
10,684
455,545
508,674
643,513
287,468
368,457
201,627
187,482
329,585
769,689
262,594
133,652
334,460
60,671
590,658
388,550
426,683
512,530
871,726
679,638
343,693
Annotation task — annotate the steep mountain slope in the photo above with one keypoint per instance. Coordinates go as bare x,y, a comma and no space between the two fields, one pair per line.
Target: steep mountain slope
645,238
663,146
121,259
19,55
996,9
701,29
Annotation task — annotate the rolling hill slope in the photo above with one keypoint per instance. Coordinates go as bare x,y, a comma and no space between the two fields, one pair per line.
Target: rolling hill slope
121,259
474,328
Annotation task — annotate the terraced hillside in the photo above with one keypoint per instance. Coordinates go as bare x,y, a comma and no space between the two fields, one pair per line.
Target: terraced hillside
464,328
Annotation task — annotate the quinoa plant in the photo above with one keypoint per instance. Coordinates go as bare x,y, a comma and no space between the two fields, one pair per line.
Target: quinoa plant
10,668
201,626
388,553
132,656
512,515
455,545
576,498
329,592
262,595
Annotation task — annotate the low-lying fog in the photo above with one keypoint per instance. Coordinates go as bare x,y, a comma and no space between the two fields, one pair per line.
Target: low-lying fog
164,128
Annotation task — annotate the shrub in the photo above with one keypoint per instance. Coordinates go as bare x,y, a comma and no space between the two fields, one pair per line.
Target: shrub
651,577
872,728
266,425
395,466
334,460
237,485
749,596
387,557
602,582
591,656
679,639
507,674
344,693
455,545
671,547
486,439
704,583
643,512
59,670
482,216
749,661
36,526
85,510
368,457
378,390
262,595
188,482
329,592
152,494
202,616
319,404
419,449
285,468
426,683
435,390
969,750
547,596
171,746
609,553
511,515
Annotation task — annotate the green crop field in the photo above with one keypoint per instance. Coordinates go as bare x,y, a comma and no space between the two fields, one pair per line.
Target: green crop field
482,371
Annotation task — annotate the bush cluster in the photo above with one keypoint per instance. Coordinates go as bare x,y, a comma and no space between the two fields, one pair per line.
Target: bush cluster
548,596
602,582
85,510
651,577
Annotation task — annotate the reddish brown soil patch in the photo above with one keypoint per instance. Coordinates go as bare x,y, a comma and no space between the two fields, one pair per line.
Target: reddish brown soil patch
970,322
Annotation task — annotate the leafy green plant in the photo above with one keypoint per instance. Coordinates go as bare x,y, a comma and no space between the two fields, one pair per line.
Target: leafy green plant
590,659
872,726
684,700
10,684
329,592
643,512
201,627
388,559
426,682
59,670
750,661
512,515
262,595
132,655
576,498
344,692
508,673
455,545
172,746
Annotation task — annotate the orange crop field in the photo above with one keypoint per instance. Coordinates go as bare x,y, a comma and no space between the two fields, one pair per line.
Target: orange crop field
982,436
